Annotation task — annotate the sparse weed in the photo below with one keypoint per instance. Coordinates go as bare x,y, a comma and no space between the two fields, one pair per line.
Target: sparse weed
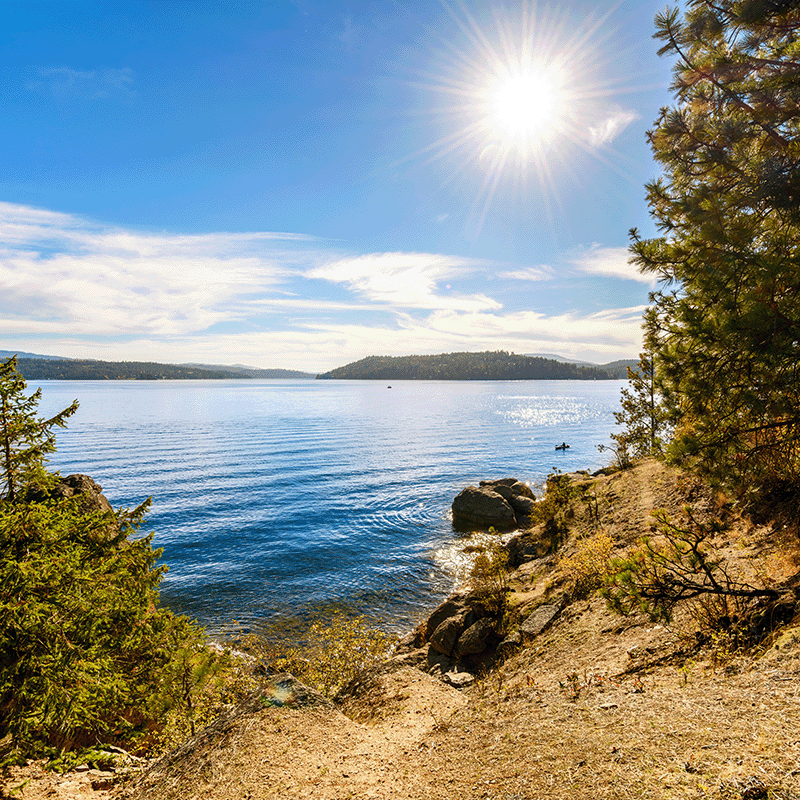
588,565
489,579
574,683
330,654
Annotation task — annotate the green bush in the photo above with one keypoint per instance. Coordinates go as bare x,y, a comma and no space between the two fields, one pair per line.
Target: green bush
678,565
87,656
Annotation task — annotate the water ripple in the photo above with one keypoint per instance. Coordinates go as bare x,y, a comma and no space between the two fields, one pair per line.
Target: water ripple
277,497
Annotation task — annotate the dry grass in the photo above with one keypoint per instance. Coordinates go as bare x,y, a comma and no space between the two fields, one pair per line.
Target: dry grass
596,707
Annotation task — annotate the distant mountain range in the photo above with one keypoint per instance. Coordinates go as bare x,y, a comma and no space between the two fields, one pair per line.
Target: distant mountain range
34,366
488,365
6,354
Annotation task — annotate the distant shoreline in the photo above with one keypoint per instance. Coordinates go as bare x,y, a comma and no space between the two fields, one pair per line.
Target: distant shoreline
482,366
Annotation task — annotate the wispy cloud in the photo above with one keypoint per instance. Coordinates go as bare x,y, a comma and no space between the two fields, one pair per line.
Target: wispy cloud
406,280
611,261
541,273
79,288
93,84
605,130
98,280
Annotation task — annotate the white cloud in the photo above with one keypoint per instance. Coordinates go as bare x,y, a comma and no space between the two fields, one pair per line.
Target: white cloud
77,288
542,273
317,345
100,280
611,261
406,280
605,130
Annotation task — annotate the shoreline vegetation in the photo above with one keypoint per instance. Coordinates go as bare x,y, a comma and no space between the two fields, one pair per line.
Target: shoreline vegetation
638,638
91,370
482,366
660,700
497,365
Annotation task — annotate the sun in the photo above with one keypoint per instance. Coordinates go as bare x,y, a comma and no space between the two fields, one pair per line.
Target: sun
515,93
523,107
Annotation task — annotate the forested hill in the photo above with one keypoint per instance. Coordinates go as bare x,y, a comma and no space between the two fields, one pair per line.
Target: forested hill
80,370
486,366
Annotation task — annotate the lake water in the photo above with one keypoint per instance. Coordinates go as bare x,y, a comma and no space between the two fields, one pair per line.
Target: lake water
275,498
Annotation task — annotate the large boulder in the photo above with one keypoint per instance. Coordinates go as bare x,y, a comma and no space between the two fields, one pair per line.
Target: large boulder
475,639
502,504
446,635
521,504
454,606
482,508
522,489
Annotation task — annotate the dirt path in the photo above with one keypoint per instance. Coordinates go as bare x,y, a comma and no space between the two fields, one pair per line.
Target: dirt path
318,752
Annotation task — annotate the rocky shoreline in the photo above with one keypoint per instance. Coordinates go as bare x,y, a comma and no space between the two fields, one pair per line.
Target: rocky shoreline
553,696
462,636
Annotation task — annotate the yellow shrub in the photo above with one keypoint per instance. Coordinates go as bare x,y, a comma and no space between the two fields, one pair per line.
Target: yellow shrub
589,563
330,654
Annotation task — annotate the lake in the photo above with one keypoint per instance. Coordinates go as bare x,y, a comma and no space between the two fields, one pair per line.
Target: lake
273,499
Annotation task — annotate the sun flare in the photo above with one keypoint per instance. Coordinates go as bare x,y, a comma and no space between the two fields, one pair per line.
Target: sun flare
519,92
522,106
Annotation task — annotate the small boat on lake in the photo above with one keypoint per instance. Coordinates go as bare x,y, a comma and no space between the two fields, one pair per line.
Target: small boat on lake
562,446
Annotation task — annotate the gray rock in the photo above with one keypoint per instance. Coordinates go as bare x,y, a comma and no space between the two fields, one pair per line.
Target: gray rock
538,621
446,635
72,486
475,638
504,491
500,482
91,499
482,508
523,490
509,644
413,658
526,547
521,504
458,679
450,608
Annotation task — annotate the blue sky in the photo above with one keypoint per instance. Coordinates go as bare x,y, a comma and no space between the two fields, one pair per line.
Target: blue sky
302,184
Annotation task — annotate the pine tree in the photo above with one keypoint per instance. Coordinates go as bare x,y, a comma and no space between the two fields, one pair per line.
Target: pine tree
724,326
25,440
86,653
643,416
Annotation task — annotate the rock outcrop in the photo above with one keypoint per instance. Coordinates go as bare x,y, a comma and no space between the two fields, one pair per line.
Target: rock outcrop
83,485
463,634
89,492
503,504
459,636
72,486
